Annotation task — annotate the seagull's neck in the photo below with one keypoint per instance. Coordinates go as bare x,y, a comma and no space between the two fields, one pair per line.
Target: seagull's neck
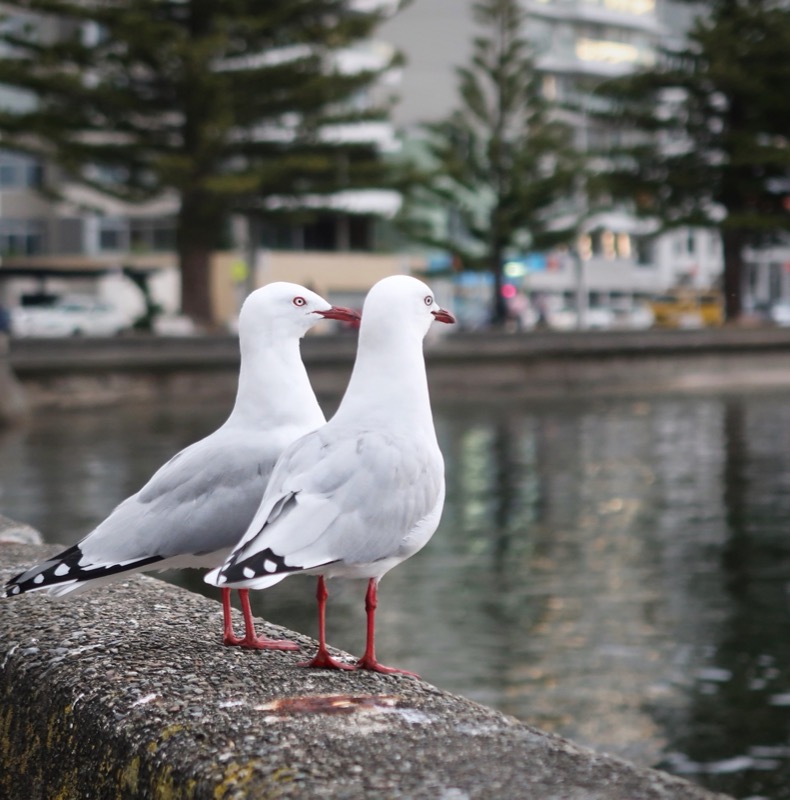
388,382
274,388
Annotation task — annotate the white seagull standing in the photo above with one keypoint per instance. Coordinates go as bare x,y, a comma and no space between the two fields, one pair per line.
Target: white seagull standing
365,491
196,507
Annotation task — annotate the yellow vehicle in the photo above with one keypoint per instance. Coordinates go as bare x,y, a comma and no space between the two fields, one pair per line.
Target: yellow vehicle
688,308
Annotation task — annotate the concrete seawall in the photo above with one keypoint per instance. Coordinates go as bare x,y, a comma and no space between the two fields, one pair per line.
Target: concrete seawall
91,371
125,692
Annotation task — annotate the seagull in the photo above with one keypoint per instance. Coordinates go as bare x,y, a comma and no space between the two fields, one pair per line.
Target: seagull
197,506
365,491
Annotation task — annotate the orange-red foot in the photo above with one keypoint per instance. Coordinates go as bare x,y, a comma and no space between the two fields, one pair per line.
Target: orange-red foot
259,643
322,660
374,666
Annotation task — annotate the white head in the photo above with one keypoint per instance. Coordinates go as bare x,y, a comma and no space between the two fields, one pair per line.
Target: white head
403,303
286,310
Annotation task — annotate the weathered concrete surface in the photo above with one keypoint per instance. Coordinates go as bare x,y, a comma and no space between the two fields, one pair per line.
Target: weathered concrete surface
13,402
126,692
77,372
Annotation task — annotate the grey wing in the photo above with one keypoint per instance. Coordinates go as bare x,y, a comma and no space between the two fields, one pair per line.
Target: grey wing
355,499
395,491
200,502
293,474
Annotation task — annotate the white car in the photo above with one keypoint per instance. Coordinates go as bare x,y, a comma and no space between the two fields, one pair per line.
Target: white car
780,314
70,315
595,319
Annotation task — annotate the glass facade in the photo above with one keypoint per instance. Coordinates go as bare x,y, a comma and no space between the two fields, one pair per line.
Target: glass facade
18,171
594,36
632,7
139,234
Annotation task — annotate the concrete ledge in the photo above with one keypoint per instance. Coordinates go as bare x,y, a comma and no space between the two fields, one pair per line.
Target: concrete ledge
126,692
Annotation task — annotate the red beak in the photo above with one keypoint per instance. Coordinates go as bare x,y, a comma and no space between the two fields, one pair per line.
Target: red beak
443,316
343,314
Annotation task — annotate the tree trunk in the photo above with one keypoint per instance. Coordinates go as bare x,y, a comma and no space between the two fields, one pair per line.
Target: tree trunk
733,241
495,254
199,223
195,264
499,306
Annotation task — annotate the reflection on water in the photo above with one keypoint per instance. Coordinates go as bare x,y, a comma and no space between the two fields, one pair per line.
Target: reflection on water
614,571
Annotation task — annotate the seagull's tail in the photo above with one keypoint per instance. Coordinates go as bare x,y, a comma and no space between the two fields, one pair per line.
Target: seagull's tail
218,578
69,572
214,577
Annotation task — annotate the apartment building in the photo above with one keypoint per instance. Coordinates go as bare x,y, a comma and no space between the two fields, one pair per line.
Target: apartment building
618,259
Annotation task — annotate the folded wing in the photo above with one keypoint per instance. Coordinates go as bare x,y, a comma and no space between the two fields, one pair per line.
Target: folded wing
324,505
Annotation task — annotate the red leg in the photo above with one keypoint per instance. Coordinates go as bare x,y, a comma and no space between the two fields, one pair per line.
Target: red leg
251,640
322,659
228,637
368,660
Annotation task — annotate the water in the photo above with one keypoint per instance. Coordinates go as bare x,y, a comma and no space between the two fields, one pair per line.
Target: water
615,571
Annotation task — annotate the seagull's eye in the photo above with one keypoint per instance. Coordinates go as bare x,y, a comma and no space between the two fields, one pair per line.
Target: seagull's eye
299,301
429,301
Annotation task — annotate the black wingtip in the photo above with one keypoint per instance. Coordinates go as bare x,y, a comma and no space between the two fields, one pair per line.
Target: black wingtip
258,565
66,568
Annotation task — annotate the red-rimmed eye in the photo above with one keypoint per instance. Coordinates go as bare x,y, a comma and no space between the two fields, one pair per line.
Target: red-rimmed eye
299,301
428,301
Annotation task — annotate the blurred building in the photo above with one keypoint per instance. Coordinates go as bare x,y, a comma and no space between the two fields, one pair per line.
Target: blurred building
81,243
618,261
579,43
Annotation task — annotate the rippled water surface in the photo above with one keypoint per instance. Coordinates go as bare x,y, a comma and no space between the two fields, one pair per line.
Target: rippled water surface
614,571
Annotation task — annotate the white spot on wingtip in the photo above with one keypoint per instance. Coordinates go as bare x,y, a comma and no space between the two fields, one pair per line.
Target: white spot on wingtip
61,569
249,572
39,578
269,566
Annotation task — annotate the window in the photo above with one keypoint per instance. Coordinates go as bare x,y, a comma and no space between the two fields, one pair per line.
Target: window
152,234
113,234
775,280
623,245
7,176
18,171
643,250
607,245
637,7
21,237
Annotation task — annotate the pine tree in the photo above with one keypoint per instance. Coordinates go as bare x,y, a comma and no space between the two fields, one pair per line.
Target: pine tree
502,161
226,104
707,134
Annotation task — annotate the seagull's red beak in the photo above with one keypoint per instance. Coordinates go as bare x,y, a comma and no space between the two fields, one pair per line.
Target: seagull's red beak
443,316
343,314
